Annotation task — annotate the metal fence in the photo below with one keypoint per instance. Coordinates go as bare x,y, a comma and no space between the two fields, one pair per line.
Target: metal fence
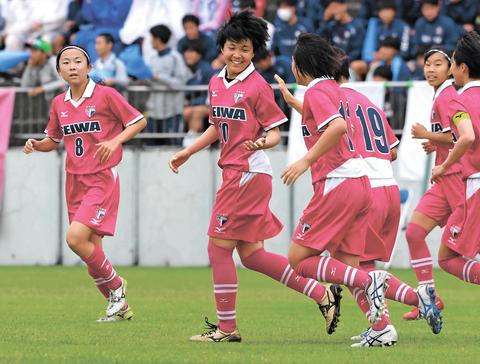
31,113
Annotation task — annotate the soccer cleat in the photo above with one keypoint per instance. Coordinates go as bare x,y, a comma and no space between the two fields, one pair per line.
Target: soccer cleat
386,337
414,313
361,336
375,293
330,307
215,335
116,299
427,307
122,315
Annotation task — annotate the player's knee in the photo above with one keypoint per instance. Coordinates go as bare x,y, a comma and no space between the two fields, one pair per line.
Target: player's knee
74,239
414,233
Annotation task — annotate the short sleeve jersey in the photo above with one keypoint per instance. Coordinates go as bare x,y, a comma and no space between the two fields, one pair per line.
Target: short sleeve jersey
440,121
466,107
324,102
372,135
100,115
241,110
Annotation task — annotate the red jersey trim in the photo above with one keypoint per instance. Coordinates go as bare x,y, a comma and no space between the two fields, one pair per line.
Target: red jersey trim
397,142
138,118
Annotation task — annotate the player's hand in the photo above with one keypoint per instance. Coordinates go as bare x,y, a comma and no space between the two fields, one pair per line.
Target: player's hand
106,149
29,146
419,131
255,145
178,159
429,147
437,173
294,170
282,86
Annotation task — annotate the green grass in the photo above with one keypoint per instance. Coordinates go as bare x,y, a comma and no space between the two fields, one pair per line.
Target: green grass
49,317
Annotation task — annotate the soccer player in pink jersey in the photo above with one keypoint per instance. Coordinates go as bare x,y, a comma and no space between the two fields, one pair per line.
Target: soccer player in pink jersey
245,119
375,141
440,200
461,237
93,121
336,218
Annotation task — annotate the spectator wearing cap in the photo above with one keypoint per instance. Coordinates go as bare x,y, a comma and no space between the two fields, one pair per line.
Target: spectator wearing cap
196,110
389,55
108,67
463,12
434,28
191,26
40,75
165,109
344,32
386,25
288,26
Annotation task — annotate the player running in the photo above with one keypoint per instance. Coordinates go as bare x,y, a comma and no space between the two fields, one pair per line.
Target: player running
440,200
375,141
336,217
245,119
94,121
461,237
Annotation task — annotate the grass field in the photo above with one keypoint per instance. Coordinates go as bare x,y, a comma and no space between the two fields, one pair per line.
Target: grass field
49,317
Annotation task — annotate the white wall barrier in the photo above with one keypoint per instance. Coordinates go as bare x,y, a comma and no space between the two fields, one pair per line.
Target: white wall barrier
163,217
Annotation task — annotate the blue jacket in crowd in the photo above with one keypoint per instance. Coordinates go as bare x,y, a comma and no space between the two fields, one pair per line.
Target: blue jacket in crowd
442,31
463,12
208,44
311,9
348,37
285,36
369,9
202,73
378,31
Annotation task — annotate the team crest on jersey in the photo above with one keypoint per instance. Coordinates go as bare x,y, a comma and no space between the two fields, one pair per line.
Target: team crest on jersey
238,95
455,231
305,228
222,220
99,215
90,111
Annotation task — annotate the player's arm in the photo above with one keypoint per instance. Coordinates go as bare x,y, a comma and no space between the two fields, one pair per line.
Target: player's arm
106,149
465,140
287,95
44,145
208,137
420,132
330,137
271,139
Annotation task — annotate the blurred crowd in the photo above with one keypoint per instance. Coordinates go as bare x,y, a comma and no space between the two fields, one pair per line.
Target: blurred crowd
172,43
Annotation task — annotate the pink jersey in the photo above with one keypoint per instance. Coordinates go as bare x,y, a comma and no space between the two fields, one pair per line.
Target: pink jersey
440,120
466,106
100,115
241,110
372,136
323,102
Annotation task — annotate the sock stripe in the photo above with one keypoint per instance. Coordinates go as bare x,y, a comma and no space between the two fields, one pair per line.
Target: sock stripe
467,268
422,264
235,285
404,293
352,277
104,261
345,277
226,312
231,317
307,286
415,261
224,291
324,270
288,276
430,281
312,288
285,272
399,291
111,277
356,293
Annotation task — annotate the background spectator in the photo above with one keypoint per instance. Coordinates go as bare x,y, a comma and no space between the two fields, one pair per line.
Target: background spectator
463,12
417,64
252,5
191,25
389,55
72,25
212,13
168,69
344,32
108,67
386,25
268,65
102,16
412,11
196,109
434,29
311,9
40,76
369,9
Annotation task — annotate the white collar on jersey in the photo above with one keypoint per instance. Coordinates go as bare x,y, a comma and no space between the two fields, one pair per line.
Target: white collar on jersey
240,77
347,85
468,85
317,80
442,87
87,93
